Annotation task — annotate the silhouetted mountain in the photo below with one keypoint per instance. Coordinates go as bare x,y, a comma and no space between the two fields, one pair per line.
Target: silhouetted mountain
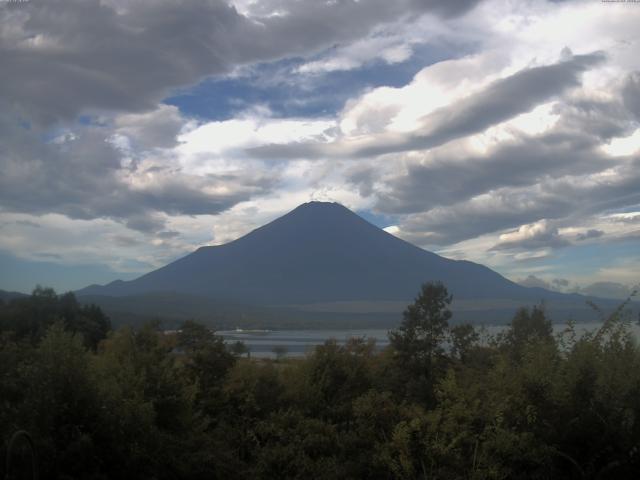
6,296
323,253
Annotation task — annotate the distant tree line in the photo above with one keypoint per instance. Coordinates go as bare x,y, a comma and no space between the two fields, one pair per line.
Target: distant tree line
440,402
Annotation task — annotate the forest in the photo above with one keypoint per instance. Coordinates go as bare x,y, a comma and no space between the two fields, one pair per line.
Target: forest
441,401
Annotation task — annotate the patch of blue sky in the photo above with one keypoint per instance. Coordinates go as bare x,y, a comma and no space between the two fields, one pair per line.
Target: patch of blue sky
88,120
627,209
379,220
585,259
286,93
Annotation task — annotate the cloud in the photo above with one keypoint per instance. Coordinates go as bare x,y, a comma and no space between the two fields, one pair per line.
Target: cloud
631,93
497,139
230,138
560,283
94,174
623,146
607,290
27,223
450,175
627,217
158,128
541,234
389,49
92,56
501,100
81,56
101,241
591,233
511,174
535,282
567,198
336,11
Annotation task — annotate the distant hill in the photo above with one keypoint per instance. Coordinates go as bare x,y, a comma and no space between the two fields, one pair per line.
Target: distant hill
320,261
7,296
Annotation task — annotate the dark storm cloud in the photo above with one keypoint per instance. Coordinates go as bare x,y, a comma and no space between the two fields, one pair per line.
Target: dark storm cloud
62,57
500,101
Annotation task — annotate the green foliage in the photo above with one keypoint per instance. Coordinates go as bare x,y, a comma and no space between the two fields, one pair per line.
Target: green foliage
463,338
58,400
418,343
527,327
280,351
207,362
335,374
239,349
424,327
29,318
438,403
254,390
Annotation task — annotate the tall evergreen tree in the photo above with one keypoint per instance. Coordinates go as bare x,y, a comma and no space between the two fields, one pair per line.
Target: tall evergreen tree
418,343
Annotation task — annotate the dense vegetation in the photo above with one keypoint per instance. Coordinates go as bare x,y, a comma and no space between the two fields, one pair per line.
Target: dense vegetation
440,402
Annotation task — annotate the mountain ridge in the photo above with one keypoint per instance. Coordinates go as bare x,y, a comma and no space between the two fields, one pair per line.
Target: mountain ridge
342,238
321,253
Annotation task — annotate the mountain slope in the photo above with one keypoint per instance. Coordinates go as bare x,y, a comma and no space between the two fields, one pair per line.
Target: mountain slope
6,296
319,252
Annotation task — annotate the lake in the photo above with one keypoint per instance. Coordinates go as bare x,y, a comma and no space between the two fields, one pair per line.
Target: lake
297,343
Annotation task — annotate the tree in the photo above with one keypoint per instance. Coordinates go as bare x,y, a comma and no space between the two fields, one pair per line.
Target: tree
528,327
462,338
29,318
146,403
425,324
60,403
207,361
280,351
194,336
239,348
418,341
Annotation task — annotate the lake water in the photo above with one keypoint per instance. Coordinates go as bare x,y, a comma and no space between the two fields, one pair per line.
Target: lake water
300,342
296,342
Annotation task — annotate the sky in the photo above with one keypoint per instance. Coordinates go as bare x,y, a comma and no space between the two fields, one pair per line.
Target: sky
498,131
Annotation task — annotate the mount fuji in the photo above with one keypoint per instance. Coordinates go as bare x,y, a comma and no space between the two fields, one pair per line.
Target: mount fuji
320,260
